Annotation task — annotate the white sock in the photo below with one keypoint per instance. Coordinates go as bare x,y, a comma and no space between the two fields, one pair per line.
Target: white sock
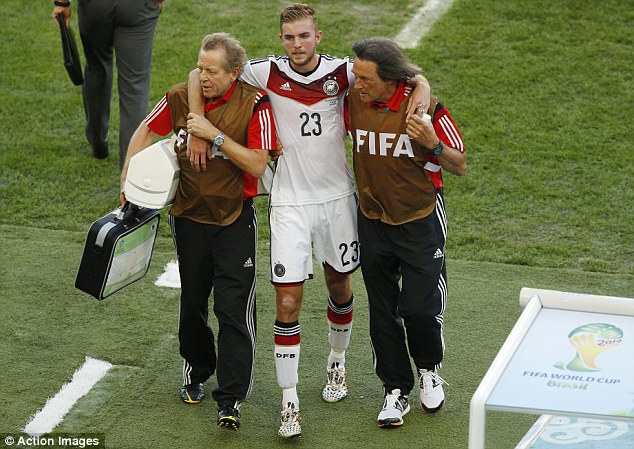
336,358
287,365
339,339
289,395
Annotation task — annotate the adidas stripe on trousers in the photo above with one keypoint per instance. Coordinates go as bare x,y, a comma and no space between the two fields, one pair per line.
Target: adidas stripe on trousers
405,321
222,259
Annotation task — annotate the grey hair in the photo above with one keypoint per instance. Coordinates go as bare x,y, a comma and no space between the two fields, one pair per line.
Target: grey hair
391,62
236,55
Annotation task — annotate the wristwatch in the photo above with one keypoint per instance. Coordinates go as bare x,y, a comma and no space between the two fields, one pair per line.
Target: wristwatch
219,140
437,149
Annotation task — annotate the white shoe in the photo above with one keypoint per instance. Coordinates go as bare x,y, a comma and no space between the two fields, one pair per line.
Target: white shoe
291,422
395,407
432,396
336,386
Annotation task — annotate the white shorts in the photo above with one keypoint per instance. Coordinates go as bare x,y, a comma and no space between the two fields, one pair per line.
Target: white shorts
331,228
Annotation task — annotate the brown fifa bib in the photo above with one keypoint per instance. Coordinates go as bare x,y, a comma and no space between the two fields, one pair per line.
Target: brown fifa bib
389,167
213,196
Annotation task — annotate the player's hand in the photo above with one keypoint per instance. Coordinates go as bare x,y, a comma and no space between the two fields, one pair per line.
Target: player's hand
274,154
200,130
198,150
420,99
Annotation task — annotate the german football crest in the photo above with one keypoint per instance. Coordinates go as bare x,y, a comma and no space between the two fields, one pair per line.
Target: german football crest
279,270
331,87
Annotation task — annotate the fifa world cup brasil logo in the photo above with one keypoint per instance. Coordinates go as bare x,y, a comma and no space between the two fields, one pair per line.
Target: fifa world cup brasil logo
590,340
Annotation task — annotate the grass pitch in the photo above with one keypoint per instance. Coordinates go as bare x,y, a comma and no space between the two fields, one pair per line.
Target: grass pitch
542,93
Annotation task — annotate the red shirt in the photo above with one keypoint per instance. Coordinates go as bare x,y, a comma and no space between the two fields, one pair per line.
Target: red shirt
261,134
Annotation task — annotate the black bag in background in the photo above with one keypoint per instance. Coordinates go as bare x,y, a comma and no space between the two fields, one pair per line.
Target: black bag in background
71,56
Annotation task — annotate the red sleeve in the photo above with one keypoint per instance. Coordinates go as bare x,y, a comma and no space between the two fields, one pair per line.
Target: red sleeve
446,128
448,132
262,133
160,119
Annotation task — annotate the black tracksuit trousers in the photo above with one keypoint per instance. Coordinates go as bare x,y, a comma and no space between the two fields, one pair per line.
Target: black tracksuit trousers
407,316
222,259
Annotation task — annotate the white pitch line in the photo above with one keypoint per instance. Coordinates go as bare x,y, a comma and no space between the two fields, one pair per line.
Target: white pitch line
421,23
170,276
58,406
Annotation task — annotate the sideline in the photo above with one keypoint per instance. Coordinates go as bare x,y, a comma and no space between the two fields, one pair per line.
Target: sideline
420,24
58,406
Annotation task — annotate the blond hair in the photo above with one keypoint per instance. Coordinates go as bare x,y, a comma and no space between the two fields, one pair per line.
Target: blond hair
297,11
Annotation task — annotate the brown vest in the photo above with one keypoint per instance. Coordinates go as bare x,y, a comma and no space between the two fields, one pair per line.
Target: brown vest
392,183
213,196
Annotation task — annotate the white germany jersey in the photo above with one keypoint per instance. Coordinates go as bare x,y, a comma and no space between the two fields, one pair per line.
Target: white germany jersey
309,118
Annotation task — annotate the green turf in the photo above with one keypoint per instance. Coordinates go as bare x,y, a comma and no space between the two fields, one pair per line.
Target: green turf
51,327
543,94
137,404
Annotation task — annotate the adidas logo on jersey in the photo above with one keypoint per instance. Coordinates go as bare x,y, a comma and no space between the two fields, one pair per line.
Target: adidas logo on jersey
248,263
438,254
286,86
